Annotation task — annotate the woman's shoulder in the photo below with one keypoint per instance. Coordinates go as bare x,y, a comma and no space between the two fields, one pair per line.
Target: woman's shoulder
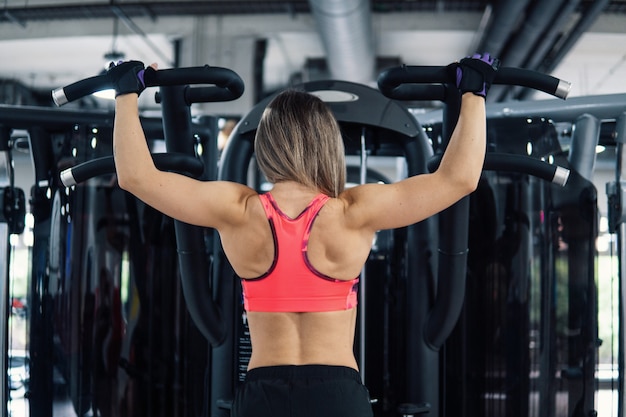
356,194
232,189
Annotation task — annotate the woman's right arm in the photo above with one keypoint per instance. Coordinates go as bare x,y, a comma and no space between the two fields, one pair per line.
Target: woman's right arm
215,204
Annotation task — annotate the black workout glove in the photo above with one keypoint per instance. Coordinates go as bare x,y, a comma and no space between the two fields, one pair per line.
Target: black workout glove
127,77
476,73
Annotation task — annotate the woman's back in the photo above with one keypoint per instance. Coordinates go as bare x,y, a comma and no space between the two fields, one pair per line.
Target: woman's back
320,337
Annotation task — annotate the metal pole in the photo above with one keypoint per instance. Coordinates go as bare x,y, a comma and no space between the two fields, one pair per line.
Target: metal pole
619,194
616,192
5,250
362,287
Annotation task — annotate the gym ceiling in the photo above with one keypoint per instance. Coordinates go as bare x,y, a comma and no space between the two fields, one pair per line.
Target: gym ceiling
49,43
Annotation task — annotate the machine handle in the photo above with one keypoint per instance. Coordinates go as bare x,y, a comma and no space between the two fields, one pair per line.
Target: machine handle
227,84
106,165
518,163
403,82
525,164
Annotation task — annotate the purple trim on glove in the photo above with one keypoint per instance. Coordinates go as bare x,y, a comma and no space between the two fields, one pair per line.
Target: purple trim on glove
140,76
127,77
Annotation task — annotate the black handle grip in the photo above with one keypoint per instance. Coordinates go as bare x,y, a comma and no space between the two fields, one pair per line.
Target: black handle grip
405,82
518,163
228,84
106,165
193,95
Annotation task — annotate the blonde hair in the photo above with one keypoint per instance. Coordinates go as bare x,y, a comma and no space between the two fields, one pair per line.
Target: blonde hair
298,139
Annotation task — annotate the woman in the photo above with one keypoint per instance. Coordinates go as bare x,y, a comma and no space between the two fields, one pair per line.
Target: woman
306,240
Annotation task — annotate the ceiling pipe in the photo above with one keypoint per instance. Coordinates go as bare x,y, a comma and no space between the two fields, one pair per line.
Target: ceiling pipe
481,29
505,18
547,62
540,18
11,18
548,40
345,28
588,17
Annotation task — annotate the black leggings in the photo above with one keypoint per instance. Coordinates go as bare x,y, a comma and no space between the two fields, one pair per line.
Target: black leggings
302,391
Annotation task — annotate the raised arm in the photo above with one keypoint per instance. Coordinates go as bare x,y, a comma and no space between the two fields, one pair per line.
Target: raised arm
387,206
204,203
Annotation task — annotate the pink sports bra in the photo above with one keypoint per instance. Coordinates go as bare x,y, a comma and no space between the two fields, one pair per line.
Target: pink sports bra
292,284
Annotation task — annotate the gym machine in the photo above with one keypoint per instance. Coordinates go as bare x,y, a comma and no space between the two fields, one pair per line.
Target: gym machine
202,380
457,362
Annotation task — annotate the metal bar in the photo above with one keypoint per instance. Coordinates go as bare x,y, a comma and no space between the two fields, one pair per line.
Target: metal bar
5,250
362,288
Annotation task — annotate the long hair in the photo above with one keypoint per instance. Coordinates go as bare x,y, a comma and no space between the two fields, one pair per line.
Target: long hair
298,139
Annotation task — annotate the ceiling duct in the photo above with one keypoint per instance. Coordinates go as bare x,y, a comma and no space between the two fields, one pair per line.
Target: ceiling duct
521,46
544,43
554,32
561,45
504,20
345,28
588,17
541,16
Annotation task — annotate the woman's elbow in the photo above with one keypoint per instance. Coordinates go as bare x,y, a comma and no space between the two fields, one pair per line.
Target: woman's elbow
122,182
463,181
126,181
132,176
473,184
467,185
